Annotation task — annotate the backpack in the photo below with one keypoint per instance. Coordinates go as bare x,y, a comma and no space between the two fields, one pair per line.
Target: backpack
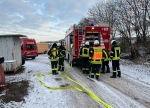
54,53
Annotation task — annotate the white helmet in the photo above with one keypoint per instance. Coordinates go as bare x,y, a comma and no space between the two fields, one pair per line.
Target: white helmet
96,42
87,43
112,41
58,44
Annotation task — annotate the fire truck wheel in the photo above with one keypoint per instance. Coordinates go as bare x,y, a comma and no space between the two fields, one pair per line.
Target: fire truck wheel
23,60
33,57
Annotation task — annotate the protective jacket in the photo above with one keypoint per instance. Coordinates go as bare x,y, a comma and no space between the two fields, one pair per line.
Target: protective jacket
106,56
115,52
61,51
84,51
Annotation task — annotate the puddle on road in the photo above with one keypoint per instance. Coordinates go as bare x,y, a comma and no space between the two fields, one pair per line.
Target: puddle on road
64,85
58,79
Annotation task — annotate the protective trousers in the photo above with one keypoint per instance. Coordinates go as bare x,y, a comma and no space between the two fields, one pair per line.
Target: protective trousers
85,65
61,64
54,67
95,68
116,68
105,63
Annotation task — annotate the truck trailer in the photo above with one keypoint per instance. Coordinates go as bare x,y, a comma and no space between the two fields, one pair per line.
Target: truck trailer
42,48
76,36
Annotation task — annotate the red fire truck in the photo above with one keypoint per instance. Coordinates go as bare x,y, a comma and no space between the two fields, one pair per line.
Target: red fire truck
29,48
76,36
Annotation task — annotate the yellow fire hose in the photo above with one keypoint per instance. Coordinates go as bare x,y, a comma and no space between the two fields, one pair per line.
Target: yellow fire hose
91,94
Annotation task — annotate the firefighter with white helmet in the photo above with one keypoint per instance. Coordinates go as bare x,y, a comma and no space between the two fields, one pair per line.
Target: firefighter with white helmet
84,54
61,53
96,59
115,57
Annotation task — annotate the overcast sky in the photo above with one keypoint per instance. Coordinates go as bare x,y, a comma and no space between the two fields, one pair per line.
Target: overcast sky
44,20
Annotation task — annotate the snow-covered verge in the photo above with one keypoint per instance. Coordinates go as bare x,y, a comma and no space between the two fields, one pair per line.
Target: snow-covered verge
132,90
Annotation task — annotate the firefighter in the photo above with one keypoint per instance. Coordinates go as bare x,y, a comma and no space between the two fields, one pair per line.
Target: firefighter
53,56
96,59
62,53
105,61
84,54
115,57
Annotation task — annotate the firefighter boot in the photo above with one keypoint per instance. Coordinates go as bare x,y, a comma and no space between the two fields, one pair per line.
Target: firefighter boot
53,72
59,68
97,77
91,76
119,74
62,69
114,75
108,70
103,72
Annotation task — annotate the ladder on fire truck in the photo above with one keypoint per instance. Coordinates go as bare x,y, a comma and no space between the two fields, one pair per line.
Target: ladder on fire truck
80,37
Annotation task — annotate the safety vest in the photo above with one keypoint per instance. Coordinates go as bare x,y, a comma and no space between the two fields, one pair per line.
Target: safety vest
97,56
85,52
116,53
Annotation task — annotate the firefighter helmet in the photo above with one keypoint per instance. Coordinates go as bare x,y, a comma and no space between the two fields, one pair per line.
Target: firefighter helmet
87,43
58,44
96,42
113,42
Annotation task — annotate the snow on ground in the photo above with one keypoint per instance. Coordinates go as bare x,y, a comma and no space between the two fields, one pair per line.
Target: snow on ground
132,90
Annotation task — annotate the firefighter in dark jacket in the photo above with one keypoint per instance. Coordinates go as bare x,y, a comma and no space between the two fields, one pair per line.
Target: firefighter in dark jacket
96,59
115,57
105,61
53,56
62,54
84,54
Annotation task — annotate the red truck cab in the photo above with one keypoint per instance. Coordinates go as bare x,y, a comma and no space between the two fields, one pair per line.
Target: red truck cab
29,48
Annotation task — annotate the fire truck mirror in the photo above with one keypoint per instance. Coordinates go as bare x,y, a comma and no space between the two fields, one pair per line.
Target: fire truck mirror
1,59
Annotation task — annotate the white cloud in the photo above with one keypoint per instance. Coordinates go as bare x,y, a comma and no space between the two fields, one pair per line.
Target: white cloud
41,17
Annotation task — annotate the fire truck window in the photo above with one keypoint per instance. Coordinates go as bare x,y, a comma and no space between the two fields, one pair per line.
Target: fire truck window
21,46
71,41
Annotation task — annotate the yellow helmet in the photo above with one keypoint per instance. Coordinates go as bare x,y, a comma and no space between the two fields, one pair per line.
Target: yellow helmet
87,43
96,42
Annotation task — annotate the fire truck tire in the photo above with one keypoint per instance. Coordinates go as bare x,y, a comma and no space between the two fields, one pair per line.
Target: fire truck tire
23,60
33,57
68,58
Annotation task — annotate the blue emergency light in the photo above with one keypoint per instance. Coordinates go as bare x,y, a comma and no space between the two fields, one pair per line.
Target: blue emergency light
91,24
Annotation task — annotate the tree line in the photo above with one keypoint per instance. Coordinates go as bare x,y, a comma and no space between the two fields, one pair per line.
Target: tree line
127,18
